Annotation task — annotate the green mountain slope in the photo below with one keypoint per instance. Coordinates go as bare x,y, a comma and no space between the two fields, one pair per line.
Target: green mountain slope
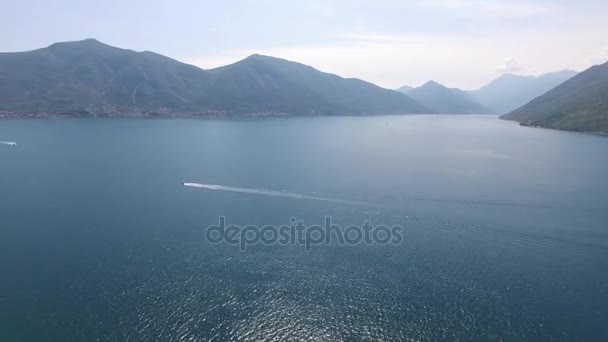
279,85
89,78
579,104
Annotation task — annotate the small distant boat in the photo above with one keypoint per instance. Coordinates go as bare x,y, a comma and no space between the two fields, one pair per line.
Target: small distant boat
9,143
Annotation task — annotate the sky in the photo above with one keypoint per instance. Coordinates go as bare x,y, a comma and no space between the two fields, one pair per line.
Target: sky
459,43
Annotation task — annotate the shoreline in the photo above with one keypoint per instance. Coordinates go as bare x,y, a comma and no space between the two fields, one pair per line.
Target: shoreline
521,124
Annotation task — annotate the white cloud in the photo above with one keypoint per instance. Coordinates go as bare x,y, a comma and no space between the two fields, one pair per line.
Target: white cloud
511,65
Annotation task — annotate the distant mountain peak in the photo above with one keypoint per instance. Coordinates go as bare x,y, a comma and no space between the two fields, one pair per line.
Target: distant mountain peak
564,71
260,57
510,91
446,100
76,43
404,89
254,56
511,75
432,83
91,40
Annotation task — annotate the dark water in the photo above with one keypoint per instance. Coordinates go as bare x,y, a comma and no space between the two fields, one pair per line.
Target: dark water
506,231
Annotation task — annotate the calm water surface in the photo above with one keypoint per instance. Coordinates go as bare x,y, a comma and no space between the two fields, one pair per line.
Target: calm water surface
505,230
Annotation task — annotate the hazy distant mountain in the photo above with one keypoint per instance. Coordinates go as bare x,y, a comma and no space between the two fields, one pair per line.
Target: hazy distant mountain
579,104
446,100
509,91
404,89
89,78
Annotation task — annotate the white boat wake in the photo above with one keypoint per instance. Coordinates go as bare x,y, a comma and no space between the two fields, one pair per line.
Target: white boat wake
418,222
9,143
264,192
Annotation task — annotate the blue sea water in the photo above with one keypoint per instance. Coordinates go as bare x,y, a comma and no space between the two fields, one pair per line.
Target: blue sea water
505,230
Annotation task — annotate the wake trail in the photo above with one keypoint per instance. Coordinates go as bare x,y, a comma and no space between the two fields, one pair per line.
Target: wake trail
272,193
446,225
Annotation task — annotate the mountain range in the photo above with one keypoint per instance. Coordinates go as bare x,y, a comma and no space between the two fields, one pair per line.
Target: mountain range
445,100
509,91
89,78
579,104
503,95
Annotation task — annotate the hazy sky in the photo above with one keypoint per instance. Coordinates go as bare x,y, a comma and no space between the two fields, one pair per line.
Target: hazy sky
460,43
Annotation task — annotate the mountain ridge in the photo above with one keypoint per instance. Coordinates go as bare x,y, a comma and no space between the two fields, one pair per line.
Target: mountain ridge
90,78
510,91
444,100
579,104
